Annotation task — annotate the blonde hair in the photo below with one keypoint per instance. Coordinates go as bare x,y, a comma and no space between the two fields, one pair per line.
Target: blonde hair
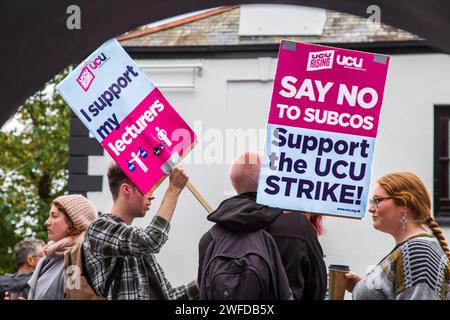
408,190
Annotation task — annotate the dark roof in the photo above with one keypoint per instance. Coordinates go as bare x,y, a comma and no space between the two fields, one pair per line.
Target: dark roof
220,27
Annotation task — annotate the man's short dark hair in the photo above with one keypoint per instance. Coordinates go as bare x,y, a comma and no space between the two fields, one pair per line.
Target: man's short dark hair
25,248
116,177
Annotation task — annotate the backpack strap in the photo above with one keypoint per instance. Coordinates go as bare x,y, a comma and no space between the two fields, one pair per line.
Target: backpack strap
117,275
71,259
83,265
114,276
69,262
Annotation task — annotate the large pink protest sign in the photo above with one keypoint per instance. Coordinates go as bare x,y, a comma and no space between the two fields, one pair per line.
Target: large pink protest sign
128,115
322,127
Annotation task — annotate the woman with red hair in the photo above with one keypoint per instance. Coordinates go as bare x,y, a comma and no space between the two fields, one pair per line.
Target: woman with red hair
418,266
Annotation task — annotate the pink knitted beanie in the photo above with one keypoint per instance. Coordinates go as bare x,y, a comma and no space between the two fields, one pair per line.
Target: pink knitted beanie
79,209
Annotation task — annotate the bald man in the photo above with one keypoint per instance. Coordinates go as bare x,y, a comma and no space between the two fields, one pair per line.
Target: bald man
294,234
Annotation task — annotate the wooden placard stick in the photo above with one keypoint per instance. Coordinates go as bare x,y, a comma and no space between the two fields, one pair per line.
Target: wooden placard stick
199,197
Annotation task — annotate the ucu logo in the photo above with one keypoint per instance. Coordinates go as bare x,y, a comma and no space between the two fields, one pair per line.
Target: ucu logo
97,62
86,75
350,62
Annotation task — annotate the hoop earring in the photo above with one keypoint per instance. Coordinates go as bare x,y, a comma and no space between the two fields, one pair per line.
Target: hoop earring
404,220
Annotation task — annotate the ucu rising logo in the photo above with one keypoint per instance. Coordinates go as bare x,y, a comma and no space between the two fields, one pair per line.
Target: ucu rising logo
320,60
86,75
350,62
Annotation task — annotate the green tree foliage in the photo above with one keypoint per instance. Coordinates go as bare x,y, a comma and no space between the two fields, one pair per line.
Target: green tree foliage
33,168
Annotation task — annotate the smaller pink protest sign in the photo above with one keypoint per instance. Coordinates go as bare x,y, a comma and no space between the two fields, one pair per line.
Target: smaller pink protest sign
150,141
322,128
128,115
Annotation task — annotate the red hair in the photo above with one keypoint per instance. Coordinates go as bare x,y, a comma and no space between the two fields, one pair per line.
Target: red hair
408,190
317,223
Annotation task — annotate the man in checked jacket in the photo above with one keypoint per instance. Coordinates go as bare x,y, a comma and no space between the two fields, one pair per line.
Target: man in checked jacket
111,240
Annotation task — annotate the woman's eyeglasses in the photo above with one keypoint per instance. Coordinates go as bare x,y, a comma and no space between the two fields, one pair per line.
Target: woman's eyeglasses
377,201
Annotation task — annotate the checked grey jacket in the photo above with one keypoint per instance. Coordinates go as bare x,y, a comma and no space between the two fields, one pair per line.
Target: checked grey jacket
109,236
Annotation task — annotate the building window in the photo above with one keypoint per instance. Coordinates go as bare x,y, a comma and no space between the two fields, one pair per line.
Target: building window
441,192
281,20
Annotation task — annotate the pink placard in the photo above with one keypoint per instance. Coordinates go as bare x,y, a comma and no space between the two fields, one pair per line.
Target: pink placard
149,141
318,82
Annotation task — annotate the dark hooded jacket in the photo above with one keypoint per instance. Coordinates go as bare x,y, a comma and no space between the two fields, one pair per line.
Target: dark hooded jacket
15,282
294,235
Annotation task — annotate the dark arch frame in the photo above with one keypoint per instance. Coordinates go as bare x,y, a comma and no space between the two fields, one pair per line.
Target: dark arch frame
36,44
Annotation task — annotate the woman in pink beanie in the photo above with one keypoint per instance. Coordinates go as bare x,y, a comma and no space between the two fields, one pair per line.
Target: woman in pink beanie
69,218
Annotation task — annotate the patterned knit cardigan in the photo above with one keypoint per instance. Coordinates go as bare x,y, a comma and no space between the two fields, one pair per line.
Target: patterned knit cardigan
416,269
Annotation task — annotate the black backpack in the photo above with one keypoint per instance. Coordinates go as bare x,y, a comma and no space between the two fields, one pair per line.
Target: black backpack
243,266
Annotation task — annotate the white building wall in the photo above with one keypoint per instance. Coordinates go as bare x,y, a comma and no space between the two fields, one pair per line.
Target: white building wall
235,93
